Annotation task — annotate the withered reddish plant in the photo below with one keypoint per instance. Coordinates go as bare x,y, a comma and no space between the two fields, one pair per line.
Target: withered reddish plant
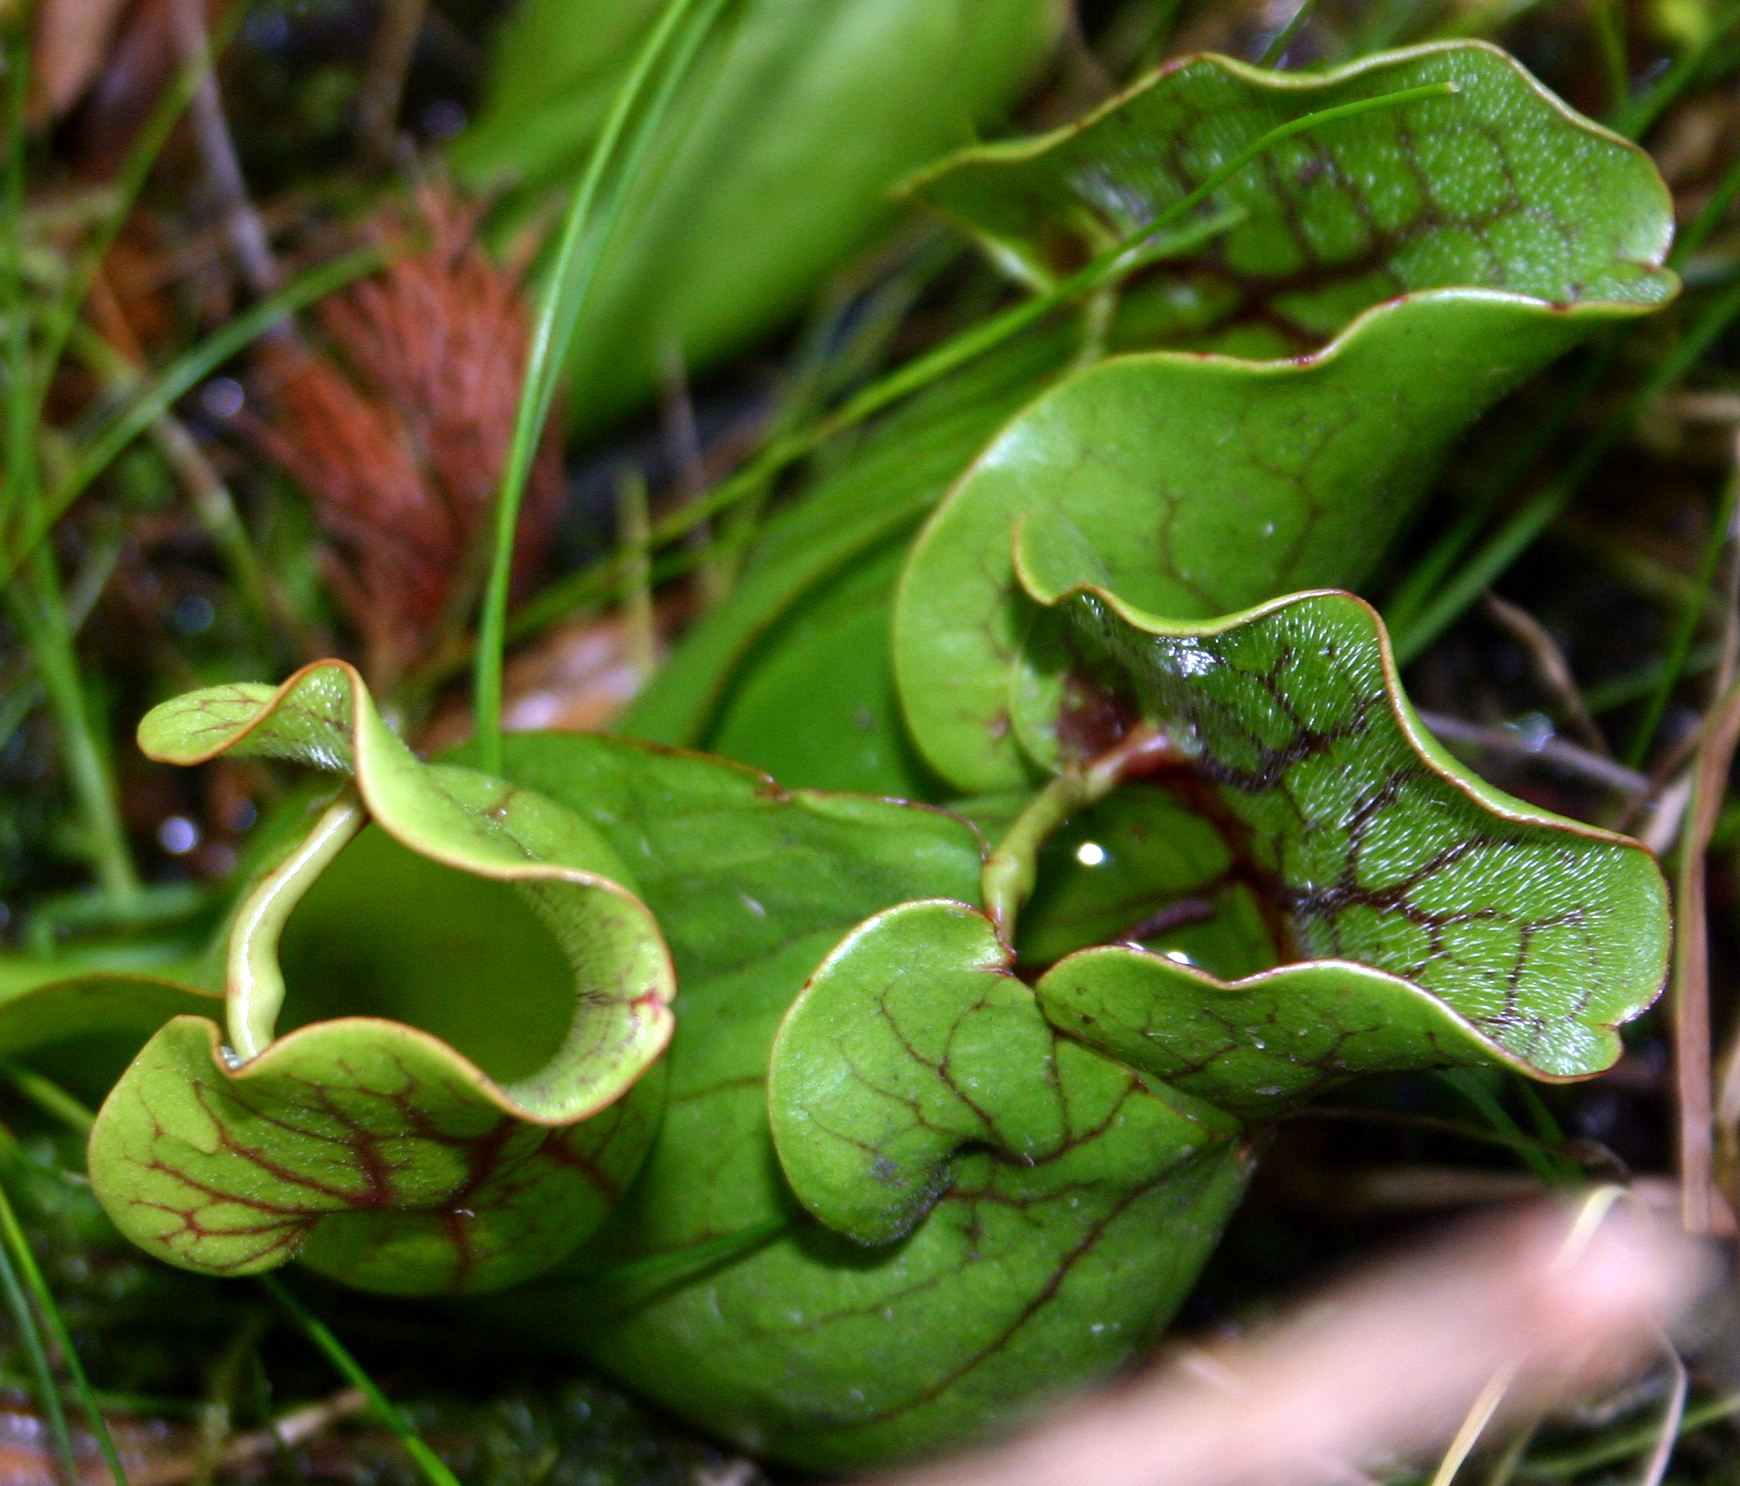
398,429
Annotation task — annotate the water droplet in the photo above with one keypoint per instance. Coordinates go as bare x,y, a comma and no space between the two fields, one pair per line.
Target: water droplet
1090,854
222,397
178,835
194,615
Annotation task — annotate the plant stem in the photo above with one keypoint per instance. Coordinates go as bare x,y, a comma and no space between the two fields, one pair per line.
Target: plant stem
434,1469
580,247
1009,873
383,84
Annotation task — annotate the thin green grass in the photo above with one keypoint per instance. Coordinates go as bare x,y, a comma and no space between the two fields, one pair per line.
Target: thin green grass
579,250
1686,623
1553,1169
1424,578
434,1469
129,181
185,373
18,1248
1519,532
1276,50
47,1393
35,598
1150,244
1565,1464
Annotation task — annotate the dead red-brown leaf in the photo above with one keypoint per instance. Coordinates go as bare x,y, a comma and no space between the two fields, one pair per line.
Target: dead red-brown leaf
399,435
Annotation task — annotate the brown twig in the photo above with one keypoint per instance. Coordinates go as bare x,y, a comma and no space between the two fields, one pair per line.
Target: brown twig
1691,969
284,1433
383,84
1550,668
1556,751
247,233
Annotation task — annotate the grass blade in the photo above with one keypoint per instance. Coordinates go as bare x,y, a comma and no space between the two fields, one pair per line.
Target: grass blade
1276,51
20,425
179,378
1139,249
434,1469
1505,545
129,182
19,1249
1686,622
579,250
1412,592
47,1395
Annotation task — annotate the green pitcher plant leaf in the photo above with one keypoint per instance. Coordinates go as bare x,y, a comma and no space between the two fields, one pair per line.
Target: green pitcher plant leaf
1371,843
1388,278
914,1042
713,1290
1408,917
476,997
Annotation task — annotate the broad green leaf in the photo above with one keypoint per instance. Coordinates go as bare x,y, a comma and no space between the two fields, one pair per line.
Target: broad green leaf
1374,845
366,1148
1405,268
913,1043
737,869
1255,1046
1500,185
820,707
476,989
83,1027
754,1320
775,164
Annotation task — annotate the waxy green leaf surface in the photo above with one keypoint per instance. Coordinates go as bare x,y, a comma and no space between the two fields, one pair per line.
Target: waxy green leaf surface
1372,844
1393,275
913,1043
795,1340
471,1130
